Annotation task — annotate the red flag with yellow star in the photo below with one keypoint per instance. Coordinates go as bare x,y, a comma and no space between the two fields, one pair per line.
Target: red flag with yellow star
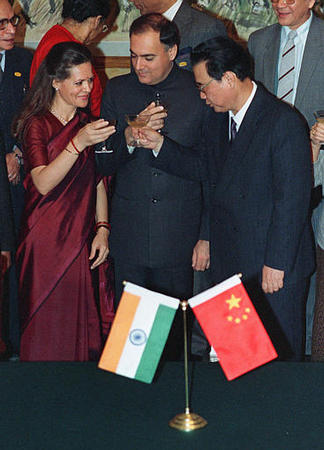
233,327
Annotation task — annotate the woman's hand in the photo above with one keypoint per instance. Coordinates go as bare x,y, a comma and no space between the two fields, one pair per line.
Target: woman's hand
317,137
100,245
93,133
317,133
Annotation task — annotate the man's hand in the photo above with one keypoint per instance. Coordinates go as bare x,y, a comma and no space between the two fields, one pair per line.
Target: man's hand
157,115
200,256
12,168
151,139
272,279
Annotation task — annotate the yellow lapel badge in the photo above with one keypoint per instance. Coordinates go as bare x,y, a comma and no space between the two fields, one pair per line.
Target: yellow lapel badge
17,74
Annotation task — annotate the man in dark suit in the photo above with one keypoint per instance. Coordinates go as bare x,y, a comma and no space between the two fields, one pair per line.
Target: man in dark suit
7,240
158,221
194,26
266,46
15,66
260,181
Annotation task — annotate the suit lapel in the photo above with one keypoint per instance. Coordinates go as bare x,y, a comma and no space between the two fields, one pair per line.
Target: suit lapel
241,145
312,54
7,76
270,60
182,18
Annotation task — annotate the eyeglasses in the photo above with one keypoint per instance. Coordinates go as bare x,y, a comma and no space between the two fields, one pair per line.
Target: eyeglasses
5,22
201,87
286,2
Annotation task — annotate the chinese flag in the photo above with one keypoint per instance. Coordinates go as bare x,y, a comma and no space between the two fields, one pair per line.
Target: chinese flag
232,326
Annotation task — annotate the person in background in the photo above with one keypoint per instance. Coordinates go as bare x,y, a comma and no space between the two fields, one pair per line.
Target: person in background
317,138
7,235
14,82
7,241
83,21
64,199
194,26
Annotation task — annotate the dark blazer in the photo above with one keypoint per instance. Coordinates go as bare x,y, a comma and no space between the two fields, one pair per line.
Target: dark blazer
6,223
264,46
195,27
259,191
156,217
13,87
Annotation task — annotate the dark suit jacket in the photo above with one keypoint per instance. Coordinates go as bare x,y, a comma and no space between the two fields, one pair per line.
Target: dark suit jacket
259,191
264,47
195,27
14,85
6,222
156,217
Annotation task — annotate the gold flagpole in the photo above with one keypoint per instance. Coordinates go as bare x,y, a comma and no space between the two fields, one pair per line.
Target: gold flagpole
186,421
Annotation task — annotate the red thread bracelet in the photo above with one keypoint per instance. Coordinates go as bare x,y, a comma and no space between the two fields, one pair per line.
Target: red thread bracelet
78,151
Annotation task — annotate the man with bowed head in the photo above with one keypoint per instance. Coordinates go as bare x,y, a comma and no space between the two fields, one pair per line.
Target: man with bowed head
288,58
260,179
159,224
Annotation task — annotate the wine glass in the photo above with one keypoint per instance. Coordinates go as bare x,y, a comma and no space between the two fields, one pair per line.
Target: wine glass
137,121
104,148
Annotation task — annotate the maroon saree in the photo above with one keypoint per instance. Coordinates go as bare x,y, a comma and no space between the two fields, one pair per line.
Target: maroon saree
59,317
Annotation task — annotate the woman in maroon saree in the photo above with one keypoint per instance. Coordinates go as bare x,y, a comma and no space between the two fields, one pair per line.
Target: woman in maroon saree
64,198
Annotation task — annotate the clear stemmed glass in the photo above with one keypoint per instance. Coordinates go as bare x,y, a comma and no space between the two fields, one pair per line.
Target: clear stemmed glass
104,148
137,121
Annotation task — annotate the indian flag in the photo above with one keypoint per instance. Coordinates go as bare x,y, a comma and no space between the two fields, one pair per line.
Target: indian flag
139,333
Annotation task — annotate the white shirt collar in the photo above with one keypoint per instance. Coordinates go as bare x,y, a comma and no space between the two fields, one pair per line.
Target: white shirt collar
239,116
3,59
171,12
301,31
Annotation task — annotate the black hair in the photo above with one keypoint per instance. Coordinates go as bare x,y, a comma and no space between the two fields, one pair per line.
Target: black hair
221,55
81,10
168,31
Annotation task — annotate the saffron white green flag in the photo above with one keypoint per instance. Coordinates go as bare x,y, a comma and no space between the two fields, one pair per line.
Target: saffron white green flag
139,333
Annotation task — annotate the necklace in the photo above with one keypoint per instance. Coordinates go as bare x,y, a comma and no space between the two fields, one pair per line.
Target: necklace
60,118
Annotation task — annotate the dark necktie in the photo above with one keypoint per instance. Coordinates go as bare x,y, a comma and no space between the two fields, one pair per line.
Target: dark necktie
233,129
1,72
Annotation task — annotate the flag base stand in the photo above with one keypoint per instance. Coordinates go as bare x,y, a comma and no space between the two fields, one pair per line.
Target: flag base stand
187,421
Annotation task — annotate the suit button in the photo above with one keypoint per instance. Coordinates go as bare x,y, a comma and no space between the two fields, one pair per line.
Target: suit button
154,200
156,174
